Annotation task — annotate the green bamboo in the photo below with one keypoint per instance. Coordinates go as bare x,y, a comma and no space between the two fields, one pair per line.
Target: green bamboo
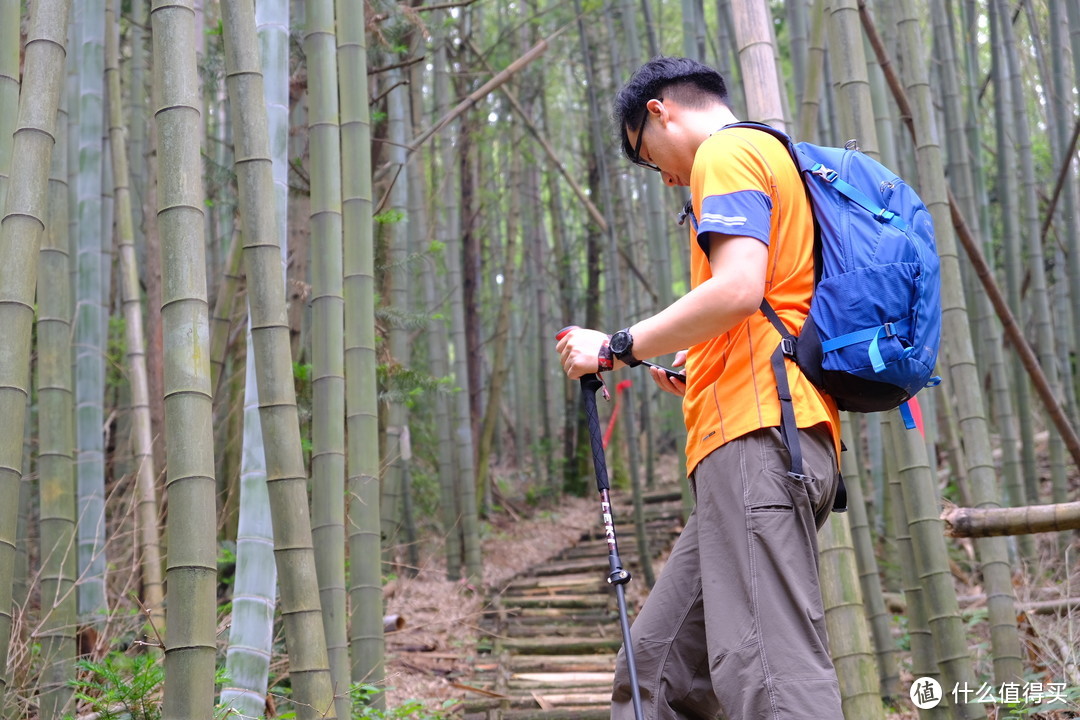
619,317
327,338
470,520
466,517
1018,491
250,647
1068,220
445,219
1012,258
849,635
959,353
810,100
56,438
866,561
1062,109
20,592
312,688
145,476
91,314
191,573
922,508
136,99
361,401
21,230
9,86
397,296
753,33
923,661
1031,237
962,172
845,622
221,318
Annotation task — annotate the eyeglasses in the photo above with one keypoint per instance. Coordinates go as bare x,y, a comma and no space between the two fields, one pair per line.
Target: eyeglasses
636,156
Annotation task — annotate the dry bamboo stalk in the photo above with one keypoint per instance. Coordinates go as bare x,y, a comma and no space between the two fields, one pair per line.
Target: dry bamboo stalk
987,522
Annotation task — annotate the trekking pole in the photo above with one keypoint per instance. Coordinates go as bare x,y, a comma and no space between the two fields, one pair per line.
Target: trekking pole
618,576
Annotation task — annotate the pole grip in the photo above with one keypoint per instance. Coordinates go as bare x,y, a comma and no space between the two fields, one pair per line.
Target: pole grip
559,335
589,385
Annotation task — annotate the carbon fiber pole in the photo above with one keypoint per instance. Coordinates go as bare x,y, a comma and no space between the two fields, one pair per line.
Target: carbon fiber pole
617,576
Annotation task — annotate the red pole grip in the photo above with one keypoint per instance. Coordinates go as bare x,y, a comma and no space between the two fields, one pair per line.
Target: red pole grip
559,335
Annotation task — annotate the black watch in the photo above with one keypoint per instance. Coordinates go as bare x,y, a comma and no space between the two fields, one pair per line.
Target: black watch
622,347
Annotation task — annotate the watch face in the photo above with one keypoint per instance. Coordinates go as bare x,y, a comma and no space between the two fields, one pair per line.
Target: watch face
620,342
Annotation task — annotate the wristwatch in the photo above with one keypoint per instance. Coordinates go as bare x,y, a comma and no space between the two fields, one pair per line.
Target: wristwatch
622,347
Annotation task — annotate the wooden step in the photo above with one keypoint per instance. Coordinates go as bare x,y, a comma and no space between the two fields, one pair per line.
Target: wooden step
561,646
553,631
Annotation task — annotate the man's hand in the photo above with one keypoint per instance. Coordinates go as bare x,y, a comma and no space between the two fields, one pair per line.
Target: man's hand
675,386
579,350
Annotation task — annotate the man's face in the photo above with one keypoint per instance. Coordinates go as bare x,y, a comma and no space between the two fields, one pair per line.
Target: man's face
658,143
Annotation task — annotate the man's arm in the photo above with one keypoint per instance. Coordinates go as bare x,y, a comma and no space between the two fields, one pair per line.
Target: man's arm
720,303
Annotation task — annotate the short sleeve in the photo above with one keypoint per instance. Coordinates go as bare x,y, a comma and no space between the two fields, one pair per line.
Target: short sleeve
733,182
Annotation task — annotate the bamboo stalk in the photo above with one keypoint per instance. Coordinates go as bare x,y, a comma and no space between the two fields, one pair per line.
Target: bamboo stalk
190,641
56,439
313,691
147,506
361,390
20,238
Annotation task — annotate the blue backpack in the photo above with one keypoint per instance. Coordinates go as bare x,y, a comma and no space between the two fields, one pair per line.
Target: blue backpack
871,339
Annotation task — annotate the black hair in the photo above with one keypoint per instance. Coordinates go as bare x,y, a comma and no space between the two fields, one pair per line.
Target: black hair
691,82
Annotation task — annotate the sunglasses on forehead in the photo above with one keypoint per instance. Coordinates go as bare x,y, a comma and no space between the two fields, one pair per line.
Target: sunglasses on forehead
635,156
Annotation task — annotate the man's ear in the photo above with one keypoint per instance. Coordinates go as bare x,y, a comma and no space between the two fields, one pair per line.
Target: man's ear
659,109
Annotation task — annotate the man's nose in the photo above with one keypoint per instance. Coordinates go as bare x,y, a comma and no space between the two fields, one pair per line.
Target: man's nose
669,179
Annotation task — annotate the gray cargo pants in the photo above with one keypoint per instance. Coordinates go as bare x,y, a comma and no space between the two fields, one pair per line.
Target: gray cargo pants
735,627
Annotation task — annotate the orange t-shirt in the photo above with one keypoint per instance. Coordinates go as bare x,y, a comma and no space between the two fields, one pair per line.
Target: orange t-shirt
744,183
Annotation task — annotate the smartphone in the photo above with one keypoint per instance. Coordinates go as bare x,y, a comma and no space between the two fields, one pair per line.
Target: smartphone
680,376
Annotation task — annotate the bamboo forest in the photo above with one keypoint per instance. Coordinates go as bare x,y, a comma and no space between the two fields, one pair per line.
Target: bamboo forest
285,433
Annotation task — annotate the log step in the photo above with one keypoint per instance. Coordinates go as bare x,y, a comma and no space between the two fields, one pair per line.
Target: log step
553,633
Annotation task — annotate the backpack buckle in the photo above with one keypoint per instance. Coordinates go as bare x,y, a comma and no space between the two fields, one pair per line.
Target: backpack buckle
787,346
827,174
688,209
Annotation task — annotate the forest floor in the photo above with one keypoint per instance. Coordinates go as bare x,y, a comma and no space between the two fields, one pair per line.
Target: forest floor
434,654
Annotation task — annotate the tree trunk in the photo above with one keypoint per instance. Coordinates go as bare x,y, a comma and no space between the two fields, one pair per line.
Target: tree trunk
20,239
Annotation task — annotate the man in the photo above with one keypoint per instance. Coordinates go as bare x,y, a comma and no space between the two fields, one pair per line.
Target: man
735,625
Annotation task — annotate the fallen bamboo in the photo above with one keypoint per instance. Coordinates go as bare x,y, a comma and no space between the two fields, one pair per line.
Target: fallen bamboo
988,522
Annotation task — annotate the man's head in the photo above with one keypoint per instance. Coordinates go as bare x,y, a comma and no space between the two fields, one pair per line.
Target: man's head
657,88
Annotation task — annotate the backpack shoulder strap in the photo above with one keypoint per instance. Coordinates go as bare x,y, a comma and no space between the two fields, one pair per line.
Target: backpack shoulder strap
789,428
